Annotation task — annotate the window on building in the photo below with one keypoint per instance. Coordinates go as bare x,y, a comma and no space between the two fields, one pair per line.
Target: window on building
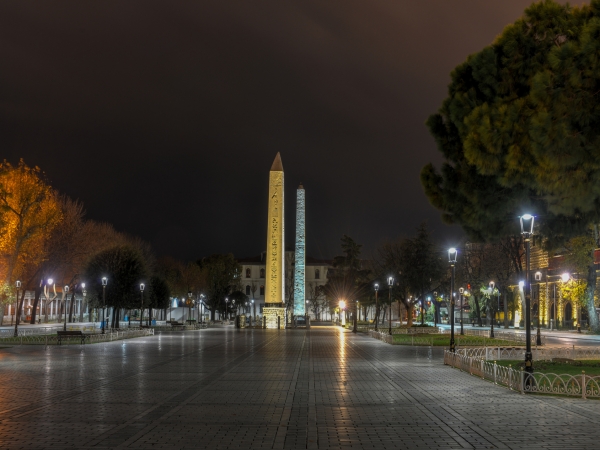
248,272
317,274
262,273
262,290
248,289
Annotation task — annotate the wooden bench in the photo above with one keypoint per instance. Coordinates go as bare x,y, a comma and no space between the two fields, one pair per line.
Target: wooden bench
67,334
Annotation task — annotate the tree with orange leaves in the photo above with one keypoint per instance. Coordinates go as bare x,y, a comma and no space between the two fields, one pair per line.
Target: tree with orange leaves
29,211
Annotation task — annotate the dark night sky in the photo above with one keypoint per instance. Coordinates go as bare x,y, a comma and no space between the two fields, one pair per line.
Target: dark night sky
164,117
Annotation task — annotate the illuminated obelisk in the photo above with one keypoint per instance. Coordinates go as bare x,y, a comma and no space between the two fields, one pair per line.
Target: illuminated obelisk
275,260
299,260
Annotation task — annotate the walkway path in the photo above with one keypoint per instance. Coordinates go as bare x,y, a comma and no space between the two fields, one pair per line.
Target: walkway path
227,388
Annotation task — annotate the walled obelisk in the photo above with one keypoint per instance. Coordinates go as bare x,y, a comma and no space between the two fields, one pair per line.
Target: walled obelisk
299,260
275,260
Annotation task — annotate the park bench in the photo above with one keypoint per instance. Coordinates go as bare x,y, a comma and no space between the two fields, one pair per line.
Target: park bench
68,334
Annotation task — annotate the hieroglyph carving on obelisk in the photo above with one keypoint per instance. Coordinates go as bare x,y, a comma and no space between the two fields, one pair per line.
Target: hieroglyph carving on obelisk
299,255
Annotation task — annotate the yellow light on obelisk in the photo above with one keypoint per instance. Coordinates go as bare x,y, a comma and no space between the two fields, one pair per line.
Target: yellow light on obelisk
275,261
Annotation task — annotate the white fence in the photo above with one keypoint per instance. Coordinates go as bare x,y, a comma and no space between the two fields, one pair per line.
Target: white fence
110,335
474,362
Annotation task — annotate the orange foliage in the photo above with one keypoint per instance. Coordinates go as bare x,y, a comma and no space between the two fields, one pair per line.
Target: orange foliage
29,211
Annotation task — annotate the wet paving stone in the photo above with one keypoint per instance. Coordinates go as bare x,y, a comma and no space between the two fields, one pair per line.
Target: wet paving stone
267,389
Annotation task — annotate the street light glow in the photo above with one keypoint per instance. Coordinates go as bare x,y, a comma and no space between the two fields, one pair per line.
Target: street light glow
565,277
342,304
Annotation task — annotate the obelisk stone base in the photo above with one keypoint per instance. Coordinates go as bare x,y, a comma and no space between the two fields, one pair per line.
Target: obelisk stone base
271,313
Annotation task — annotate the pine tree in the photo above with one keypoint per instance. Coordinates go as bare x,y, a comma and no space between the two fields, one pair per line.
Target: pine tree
520,131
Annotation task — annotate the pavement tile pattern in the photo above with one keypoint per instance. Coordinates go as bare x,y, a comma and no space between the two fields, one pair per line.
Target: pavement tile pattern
223,388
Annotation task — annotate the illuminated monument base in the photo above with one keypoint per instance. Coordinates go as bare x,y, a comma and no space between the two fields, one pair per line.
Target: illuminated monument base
274,292
271,313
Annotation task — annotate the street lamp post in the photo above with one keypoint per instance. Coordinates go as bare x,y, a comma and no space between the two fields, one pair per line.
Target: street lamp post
355,326
452,254
226,307
17,312
83,295
390,284
104,282
461,291
492,284
376,286
142,287
435,311
66,294
189,305
527,231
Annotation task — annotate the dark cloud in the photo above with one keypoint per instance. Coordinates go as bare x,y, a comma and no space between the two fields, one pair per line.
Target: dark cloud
164,117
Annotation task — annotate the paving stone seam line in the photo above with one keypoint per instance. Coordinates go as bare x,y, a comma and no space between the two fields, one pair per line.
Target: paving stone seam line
449,430
284,421
85,388
215,375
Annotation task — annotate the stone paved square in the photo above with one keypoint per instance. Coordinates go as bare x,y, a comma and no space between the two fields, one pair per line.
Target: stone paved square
222,388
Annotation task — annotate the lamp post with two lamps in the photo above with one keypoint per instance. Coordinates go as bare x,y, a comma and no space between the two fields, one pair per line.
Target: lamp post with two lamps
452,254
527,231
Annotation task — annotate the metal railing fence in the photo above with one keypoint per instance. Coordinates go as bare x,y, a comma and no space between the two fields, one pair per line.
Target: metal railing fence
51,339
467,360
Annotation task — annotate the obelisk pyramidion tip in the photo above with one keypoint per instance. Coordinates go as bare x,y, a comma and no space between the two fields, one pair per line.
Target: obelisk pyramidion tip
277,165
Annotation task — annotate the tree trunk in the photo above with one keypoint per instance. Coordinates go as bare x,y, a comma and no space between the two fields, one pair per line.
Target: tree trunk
36,302
409,315
589,293
81,310
114,314
59,307
477,311
149,316
71,306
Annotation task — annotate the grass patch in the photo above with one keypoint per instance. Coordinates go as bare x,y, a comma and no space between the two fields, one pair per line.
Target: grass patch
559,367
443,340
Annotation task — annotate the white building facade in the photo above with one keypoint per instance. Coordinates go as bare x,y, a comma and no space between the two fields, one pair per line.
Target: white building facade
252,283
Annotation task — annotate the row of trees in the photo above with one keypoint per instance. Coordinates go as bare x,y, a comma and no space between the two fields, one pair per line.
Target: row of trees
520,133
45,235
420,269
